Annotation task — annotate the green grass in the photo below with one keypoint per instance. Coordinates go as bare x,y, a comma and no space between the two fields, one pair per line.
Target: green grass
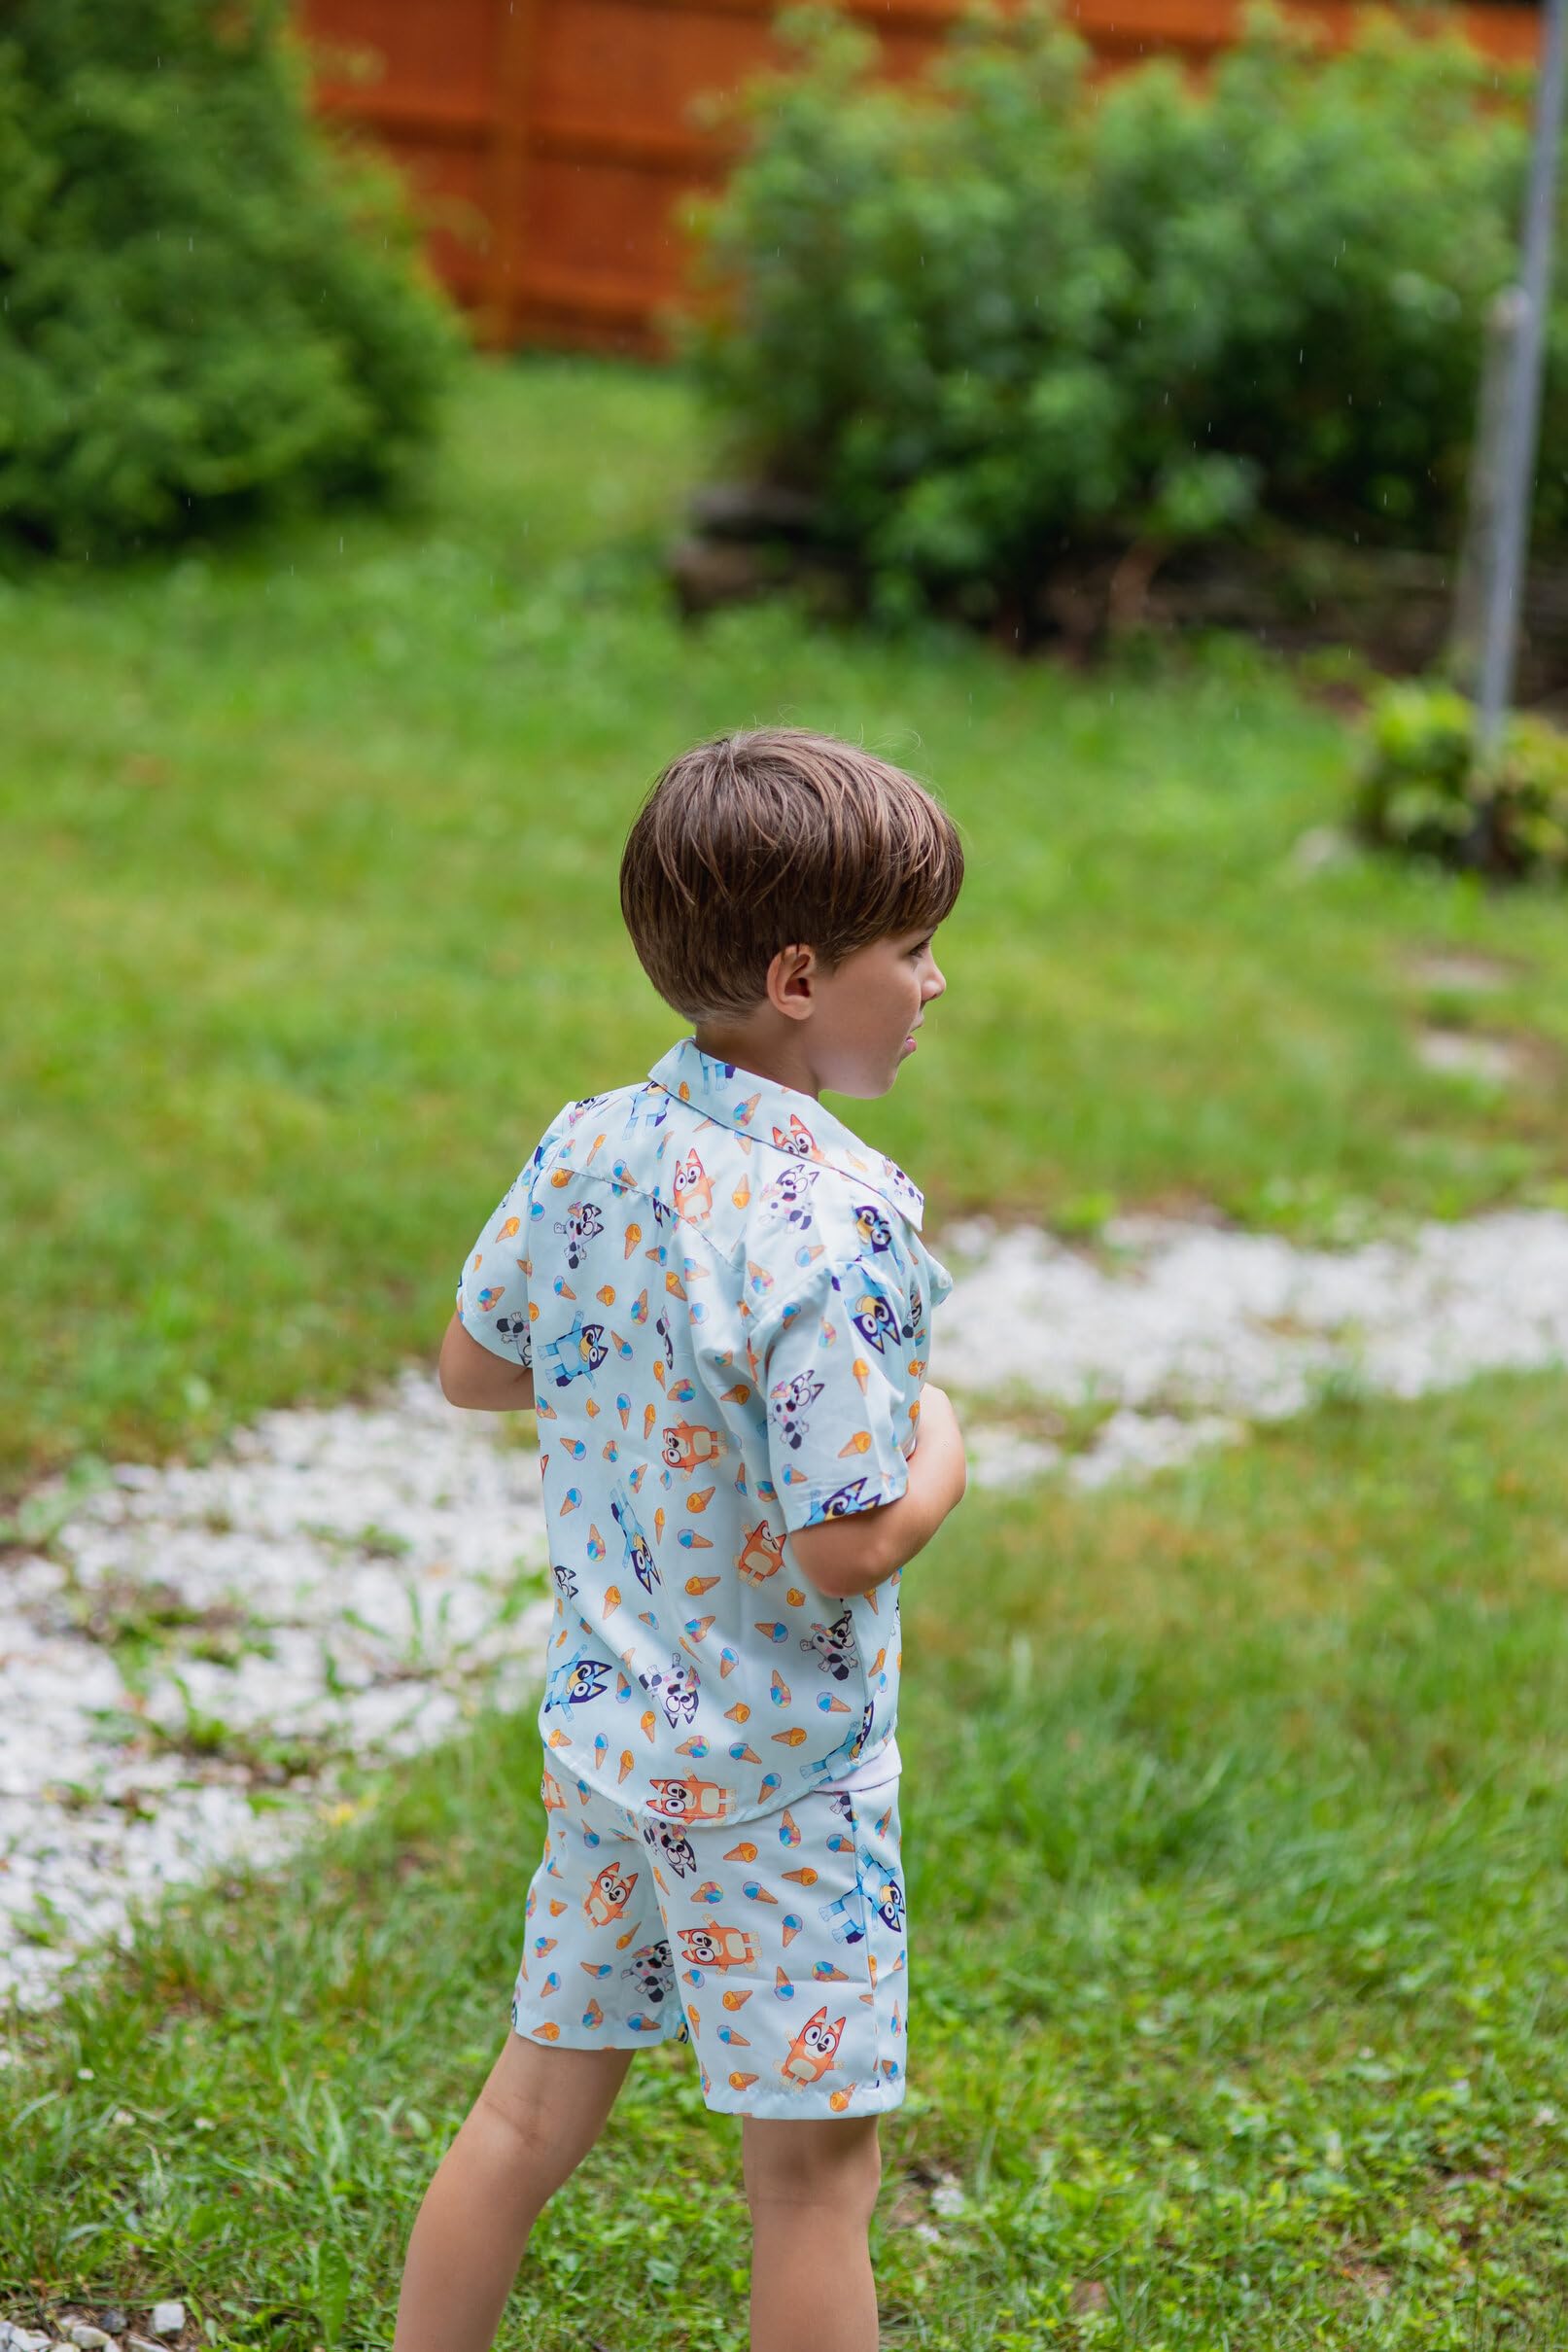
1237,1815
308,888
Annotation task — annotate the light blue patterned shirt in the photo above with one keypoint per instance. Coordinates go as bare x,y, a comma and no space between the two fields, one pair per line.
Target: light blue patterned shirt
725,1301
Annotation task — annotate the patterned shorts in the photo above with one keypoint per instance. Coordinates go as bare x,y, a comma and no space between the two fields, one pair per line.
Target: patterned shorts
775,1948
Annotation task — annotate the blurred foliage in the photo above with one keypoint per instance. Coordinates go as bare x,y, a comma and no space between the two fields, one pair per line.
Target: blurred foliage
993,316
1426,787
205,305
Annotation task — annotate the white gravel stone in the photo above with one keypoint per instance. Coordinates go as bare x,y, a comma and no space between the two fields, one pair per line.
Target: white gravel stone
359,1579
167,2319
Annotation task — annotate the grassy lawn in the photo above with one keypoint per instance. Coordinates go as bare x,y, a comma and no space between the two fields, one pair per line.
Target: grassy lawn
1236,1824
309,896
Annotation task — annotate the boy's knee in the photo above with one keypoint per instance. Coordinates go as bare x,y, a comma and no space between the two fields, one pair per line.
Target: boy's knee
814,2162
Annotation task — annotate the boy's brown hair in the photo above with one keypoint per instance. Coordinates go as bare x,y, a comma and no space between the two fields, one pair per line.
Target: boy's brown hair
774,838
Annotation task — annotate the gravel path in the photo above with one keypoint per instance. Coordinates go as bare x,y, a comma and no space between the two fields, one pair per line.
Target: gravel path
187,1663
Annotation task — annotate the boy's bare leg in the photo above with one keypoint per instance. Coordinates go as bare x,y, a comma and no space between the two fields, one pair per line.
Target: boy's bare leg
531,2125
812,2187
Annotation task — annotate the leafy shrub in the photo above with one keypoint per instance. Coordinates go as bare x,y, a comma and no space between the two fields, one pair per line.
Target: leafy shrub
1424,786
203,304
995,315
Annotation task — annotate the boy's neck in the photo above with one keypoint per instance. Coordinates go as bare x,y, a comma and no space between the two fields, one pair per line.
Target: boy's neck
779,1059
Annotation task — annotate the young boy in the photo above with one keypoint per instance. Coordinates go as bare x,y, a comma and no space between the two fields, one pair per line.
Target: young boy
718,1301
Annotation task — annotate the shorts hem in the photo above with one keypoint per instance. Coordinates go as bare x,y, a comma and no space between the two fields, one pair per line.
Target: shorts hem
877,2099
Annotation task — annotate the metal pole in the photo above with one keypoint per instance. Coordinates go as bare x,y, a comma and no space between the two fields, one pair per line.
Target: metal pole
1518,472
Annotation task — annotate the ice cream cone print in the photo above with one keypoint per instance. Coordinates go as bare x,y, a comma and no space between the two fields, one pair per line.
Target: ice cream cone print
795,1597
737,1395
779,1689
736,1999
646,1726
690,1541
740,1712
790,1738
673,1284
513,1224
571,1499
593,1410
804,1876
650,1413
562,1289
659,1523
837,2100
606,1296
791,1927
737,2081
698,1627
742,1193
593,2015
612,1598
701,1499
596,1542
831,1705
697,1586
727,1663
601,1747
862,1372
860,1443
625,1766
559,1739
746,1851
634,1234
623,1406
552,2033
789,1828
782,1986
746,1755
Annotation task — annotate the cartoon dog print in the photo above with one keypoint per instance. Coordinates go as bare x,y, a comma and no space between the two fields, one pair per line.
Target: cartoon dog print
578,1353
812,2052
787,1195
676,1691
672,1845
872,1226
717,1946
799,1140
514,1327
610,1893
685,1448
650,1970
855,1496
693,1192
575,1682
639,1551
689,1800
761,1556
566,1581
582,1223
834,1646
788,1403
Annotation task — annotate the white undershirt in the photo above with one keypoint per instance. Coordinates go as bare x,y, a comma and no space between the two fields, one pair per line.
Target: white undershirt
872,1773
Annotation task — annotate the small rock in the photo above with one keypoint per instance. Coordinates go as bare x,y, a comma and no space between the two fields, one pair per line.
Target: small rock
114,2321
141,2344
167,2319
88,2338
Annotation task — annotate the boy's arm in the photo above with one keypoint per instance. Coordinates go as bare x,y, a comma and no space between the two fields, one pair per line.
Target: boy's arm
846,1558
475,1375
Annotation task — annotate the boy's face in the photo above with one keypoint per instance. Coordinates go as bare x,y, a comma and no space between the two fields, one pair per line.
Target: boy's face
864,1014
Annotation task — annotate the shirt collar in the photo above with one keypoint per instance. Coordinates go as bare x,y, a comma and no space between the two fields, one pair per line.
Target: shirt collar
797,1123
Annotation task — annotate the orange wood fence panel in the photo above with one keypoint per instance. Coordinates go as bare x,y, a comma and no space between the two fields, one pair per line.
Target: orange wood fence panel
549,142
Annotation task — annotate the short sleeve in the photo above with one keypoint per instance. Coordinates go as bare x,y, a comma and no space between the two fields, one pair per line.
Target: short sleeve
839,1393
492,1295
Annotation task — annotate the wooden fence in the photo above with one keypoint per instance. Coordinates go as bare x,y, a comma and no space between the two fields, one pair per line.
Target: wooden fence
549,142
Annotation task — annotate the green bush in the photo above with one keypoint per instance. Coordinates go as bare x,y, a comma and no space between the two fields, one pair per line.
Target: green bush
1424,787
204,306
996,315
